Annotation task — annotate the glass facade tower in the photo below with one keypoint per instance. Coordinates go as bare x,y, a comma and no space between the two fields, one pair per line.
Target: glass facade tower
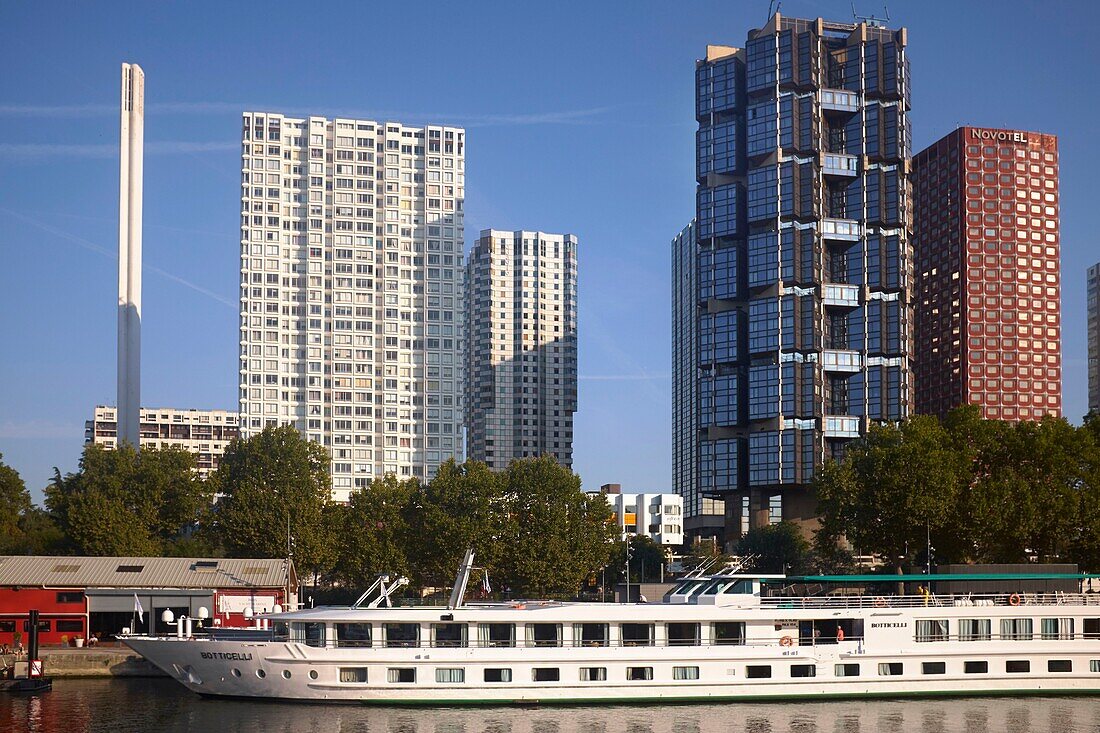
804,261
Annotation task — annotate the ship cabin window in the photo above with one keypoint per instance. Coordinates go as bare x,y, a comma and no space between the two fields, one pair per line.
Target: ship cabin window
402,634
1091,628
682,634
1017,629
593,674
689,588
310,633
545,674
929,629
639,673
353,674
590,634
636,634
449,635
830,631
497,634
978,667
890,668
1059,665
357,635
1017,666
803,670
729,632
280,631
1094,665
975,629
685,673
543,634
728,586
1057,628
933,667
758,671
450,675
846,670
498,674
403,675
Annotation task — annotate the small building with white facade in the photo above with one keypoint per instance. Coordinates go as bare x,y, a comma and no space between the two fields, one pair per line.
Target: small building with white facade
659,516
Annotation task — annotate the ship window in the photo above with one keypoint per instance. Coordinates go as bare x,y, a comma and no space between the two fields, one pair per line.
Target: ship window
593,674
497,634
890,668
310,633
353,674
498,674
933,668
1059,665
450,675
286,674
830,631
449,635
803,670
545,674
1091,628
1057,628
402,634
932,630
729,632
261,674
1016,629
979,667
685,673
543,634
1094,665
590,634
401,674
846,670
636,634
236,672
353,635
1017,665
758,671
974,629
313,674
280,630
682,634
639,673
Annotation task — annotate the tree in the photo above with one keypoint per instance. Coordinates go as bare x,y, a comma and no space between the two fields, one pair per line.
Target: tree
375,533
646,559
776,548
24,528
554,534
122,502
268,483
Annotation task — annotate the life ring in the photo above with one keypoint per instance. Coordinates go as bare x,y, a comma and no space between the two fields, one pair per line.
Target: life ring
840,634
1014,599
880,602
786,641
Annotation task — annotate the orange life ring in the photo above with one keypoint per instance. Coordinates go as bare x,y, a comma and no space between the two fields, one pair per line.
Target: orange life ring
786,641
840,634
1014,599
880,602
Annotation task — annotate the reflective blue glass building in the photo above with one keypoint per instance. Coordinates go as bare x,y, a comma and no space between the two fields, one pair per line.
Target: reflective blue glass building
802,240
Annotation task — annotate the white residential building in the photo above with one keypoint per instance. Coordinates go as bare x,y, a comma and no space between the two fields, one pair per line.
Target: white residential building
521,352
206,433
660,516
351,290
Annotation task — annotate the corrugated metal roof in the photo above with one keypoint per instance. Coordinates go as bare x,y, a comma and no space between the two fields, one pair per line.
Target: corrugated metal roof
143,572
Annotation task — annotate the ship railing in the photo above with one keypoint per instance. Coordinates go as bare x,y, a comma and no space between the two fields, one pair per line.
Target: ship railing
1057,598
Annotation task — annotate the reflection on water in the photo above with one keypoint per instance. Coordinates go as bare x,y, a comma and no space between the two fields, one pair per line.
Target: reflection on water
162,706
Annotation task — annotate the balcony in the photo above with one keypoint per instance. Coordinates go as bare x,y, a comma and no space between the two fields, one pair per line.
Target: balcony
838,100
841,164
843,296
845,230
836,360
841,426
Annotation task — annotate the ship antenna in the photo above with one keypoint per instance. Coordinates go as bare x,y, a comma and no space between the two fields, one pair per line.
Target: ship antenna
458,591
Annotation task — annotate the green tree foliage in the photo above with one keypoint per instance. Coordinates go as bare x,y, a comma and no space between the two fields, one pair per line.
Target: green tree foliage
646,558
122,502
24,528
374,531
266,482
777,548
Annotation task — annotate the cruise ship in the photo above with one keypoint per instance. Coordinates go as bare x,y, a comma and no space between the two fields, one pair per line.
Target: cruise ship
716,637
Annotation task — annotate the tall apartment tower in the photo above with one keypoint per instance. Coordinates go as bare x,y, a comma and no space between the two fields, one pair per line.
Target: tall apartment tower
803,223
521,352
1094,336
703,518
131,166
351,290
988,287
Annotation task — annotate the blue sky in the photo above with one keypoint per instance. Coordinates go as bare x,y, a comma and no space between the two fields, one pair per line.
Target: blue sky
579,118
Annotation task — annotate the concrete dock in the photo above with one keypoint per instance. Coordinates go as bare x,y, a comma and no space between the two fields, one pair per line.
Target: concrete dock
102,661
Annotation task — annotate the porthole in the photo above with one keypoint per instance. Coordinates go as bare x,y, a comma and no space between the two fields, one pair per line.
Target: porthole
261,674
286,674
313,674
236,672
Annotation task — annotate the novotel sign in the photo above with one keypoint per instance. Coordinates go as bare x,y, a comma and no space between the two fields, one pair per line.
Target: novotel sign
1001,136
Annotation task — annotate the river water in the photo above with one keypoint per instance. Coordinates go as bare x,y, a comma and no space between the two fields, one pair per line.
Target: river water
162,706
